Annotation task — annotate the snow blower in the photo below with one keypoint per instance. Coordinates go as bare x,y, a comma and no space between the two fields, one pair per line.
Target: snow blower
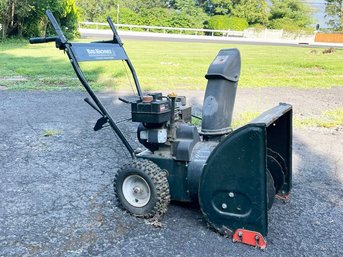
233,175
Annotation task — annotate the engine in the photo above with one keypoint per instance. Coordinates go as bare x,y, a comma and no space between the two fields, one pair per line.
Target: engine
165,121
165,124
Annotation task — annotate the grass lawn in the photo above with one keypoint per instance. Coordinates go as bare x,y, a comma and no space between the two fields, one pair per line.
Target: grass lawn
328,119
170,65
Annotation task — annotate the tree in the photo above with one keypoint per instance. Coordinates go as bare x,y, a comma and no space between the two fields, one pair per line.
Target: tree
99,10
219,7
90,9
4,16
12,15
138,5
334,11
127,16
254,11
188,14
155,16
27,17
290,15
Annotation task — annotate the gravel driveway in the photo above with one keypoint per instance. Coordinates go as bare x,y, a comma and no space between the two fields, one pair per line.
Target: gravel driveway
56,196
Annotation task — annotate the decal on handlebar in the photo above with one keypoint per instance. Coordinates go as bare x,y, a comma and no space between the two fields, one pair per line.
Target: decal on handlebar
98,52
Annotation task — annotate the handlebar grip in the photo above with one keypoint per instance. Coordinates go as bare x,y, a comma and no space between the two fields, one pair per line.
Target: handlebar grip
39,40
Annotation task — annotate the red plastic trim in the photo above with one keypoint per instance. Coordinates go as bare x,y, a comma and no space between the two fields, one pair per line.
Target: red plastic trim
284,198
250,238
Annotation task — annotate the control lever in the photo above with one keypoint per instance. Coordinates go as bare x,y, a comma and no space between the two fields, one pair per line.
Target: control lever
124,100
87,100
100,123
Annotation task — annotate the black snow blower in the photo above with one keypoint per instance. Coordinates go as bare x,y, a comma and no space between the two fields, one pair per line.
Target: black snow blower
233,175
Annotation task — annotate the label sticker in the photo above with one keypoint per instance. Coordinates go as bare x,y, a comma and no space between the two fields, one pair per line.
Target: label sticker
100,53
220,59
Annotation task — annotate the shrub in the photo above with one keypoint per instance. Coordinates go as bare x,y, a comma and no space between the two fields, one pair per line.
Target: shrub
285,24
184,20
258,26
155,17
127,16
222,22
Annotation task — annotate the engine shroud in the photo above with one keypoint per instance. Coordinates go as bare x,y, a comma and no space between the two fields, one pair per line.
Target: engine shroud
157,111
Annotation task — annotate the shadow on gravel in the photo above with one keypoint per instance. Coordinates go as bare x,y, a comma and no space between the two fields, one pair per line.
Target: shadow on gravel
306,225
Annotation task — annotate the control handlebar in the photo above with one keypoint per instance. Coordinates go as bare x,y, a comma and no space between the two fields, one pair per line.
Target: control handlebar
39,40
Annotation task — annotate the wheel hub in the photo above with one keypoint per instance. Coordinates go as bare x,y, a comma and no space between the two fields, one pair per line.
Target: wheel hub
136,190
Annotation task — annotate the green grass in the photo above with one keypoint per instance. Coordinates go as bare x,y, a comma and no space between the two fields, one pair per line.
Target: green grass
168,66
244,118
51,132
328,119
239,121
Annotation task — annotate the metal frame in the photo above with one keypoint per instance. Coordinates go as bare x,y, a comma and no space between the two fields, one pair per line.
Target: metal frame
63,44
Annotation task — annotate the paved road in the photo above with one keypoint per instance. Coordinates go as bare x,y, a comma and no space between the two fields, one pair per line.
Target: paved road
56,194
107,34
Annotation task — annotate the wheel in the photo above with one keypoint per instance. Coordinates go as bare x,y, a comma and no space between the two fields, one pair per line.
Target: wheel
142,189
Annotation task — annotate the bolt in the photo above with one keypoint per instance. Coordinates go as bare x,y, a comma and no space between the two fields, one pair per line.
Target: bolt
257,238
240,233
224,206
137,190
231,194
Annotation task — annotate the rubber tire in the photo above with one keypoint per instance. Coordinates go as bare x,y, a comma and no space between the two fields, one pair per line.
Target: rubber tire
157,181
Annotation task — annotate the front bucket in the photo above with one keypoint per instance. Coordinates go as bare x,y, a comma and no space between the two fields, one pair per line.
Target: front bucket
246,170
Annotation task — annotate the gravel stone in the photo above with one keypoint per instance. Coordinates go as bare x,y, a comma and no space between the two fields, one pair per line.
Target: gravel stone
56,195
